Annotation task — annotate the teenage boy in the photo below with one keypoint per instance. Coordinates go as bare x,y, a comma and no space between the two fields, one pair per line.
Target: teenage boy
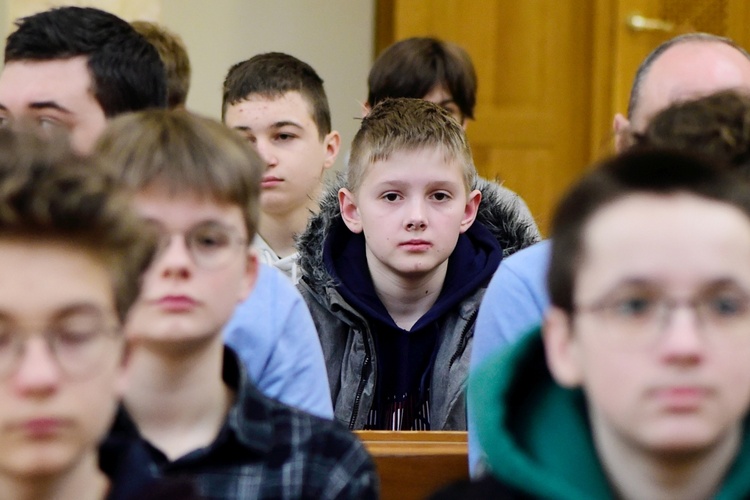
71,254
278,103
197,184
646,387
440,72
429,69
394,268
280,348
683,67
70,69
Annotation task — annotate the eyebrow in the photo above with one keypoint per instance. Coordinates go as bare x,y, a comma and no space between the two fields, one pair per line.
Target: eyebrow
49,105
274,126
287,123
88,308
399,184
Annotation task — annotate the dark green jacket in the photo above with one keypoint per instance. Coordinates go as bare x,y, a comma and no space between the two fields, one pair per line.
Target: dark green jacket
537,436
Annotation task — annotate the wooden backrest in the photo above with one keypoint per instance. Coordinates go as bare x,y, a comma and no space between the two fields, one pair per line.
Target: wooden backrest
413,464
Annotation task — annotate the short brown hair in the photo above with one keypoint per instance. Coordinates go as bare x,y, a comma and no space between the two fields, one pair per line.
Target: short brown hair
182,152
638,171
407,125
272,75
412,67
47,193
174,55
717,125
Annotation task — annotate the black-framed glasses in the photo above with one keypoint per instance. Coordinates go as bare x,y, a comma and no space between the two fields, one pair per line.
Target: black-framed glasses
211,245
78,346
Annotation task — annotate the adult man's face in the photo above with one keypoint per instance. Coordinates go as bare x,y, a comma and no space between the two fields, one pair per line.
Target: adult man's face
686,70
56,96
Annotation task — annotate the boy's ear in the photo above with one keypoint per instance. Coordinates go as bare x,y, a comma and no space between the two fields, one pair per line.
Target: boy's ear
250,276
621,128
561,348
349,211
332,143
471,209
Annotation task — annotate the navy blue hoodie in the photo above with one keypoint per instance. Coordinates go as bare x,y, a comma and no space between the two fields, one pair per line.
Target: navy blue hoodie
405,358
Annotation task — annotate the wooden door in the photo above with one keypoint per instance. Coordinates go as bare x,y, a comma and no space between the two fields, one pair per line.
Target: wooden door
627,30
552,74
533,60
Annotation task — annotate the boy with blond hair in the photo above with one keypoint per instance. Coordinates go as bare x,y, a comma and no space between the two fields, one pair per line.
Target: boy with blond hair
394,268
278,103
197,184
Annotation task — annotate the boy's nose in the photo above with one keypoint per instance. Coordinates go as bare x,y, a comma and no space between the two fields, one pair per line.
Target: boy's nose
416,218
38,371
266,152
682,335
175,258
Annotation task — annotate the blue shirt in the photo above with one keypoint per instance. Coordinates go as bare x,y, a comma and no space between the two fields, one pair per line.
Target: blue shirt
274,335
514,304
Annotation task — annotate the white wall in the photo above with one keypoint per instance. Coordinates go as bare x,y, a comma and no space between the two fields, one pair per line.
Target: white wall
334,36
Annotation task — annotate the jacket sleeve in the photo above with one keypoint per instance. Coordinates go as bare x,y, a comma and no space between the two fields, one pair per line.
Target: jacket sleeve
514,303
274,335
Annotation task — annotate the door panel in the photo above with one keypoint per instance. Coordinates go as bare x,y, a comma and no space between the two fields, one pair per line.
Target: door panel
552,74
533,65
627,46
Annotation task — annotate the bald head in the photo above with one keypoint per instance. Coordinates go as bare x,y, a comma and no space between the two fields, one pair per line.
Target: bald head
683,68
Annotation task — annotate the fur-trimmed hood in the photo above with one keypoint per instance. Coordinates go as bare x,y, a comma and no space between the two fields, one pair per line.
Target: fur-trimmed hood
501,211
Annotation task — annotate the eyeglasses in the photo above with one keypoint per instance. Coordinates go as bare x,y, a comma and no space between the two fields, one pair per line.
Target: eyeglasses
642,317
78,346
211,245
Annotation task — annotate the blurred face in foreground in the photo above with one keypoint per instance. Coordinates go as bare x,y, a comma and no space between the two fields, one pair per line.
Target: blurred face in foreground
61,361
203,269
660,337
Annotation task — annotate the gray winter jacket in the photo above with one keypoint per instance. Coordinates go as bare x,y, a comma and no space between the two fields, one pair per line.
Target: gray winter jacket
347,340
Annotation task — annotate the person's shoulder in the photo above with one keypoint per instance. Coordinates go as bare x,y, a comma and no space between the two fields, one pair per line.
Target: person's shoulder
309,430
273,291
507,216
338,456
271,280
534,258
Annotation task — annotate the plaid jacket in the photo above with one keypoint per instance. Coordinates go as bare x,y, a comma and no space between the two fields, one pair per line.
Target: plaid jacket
267,450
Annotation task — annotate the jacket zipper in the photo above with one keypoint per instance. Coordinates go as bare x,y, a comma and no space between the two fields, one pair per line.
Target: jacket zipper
462,340
360,391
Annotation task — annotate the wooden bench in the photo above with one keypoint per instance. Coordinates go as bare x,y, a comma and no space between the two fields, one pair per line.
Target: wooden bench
414,464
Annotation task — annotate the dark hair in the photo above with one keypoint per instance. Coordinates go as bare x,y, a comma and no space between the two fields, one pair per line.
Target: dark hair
272,75
717,125
174,55
657,172
184,153
126,71
47,193
412,67
645,66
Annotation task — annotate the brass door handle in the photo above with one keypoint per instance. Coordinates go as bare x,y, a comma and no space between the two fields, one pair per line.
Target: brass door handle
637,22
